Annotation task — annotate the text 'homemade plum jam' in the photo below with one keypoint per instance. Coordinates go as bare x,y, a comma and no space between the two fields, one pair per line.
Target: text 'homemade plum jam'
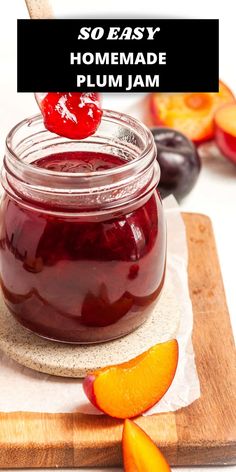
82,239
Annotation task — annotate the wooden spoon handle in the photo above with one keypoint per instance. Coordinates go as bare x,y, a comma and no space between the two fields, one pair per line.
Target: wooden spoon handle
39,9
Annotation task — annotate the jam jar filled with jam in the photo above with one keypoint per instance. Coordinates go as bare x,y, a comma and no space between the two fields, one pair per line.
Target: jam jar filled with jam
82,231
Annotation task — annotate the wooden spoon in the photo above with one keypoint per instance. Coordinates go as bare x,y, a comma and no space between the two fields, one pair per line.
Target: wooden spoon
39,9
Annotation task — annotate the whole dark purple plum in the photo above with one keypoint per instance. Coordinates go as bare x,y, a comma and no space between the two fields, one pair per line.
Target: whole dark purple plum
179,162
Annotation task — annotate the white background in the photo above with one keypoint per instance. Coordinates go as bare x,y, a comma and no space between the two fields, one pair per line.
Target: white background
215,192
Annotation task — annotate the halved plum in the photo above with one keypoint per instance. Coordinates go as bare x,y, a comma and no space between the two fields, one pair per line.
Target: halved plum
189,113
225,130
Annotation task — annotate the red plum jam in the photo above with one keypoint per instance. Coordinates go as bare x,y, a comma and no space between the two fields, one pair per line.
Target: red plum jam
82,240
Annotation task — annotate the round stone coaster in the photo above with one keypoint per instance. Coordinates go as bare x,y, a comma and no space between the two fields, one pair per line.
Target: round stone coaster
73,360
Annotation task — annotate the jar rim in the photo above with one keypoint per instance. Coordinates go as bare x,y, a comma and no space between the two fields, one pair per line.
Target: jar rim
108,115
114,187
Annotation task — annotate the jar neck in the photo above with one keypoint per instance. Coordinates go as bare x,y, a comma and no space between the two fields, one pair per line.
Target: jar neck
106,190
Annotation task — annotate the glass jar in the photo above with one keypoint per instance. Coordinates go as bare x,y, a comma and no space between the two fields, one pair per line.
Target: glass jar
82,255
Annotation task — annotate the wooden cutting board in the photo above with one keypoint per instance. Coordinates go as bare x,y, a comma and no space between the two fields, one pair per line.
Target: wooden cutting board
201,434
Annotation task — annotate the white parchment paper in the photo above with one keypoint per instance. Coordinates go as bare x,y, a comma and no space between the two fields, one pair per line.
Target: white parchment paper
23,389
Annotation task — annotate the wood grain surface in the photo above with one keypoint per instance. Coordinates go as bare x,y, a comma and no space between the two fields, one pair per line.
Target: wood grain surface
203,433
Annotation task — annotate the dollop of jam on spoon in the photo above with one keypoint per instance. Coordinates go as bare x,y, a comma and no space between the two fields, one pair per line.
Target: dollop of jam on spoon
73,115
